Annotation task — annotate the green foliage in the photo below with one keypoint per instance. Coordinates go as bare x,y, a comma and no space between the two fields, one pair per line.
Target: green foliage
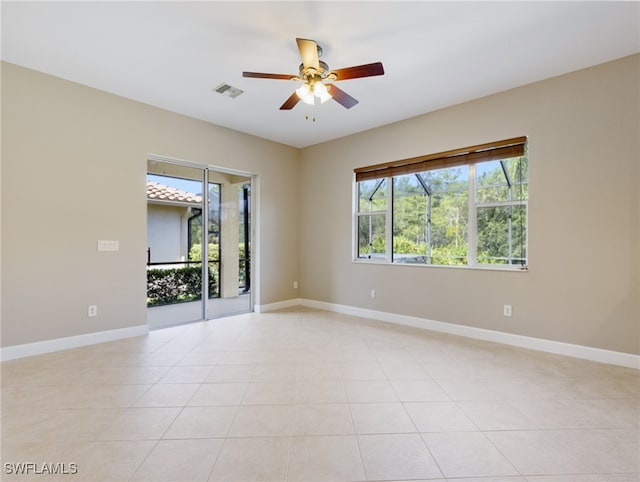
494,222
379,245
177,285
449,255
195,253
410,204
403,245
449,219
493,234
449,216
371,234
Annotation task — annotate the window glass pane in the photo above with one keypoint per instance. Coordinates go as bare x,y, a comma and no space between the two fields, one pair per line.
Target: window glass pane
517,168
410,212
450,179
493,235
244,235
502,235
449,225
492,181
519,235
213,236
371,236
372,195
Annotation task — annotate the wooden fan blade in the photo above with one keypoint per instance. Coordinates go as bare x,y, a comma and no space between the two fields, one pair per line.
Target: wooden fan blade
291,102
260,75
309,53
366,70
341,97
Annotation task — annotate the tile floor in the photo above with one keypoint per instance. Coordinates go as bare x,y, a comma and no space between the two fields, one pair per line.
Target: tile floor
307,395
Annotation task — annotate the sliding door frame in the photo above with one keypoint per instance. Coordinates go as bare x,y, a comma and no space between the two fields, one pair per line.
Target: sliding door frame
205,169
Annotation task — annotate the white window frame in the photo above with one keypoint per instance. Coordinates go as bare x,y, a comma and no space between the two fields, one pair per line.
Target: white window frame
388,220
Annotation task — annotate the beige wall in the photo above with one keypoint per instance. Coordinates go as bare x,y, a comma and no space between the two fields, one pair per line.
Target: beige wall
73,172
582,285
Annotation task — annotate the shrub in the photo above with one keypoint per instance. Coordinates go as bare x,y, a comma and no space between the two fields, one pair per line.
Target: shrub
177,285
195,253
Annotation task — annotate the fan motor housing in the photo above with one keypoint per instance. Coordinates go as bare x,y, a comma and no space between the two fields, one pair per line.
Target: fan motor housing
311,72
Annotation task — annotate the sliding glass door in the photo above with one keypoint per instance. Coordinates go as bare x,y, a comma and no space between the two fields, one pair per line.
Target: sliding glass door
196,214
229,243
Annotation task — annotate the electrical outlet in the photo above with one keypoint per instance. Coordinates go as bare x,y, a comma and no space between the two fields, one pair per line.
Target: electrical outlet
92,310
373,293
507,310
295,285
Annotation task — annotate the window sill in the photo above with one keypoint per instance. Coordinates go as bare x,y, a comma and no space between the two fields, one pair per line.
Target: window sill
481,267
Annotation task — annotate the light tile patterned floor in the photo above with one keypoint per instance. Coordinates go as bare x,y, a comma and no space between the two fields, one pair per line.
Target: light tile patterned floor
306,395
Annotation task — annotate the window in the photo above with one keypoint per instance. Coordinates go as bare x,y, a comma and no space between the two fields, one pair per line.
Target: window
466,207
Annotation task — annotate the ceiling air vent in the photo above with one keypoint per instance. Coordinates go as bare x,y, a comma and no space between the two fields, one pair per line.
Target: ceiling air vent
228,90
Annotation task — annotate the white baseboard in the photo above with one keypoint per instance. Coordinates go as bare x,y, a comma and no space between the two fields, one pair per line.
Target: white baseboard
280,305
57,344
549,346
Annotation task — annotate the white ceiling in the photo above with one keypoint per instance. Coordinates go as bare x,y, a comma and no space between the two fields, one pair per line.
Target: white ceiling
435,54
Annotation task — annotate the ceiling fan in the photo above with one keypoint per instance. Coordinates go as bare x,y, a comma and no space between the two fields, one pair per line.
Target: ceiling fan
315,77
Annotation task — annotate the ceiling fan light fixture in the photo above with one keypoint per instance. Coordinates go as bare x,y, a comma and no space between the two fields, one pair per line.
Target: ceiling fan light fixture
321,92
305,93
309,92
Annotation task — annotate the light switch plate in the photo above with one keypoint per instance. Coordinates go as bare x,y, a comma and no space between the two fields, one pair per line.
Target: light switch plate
106,245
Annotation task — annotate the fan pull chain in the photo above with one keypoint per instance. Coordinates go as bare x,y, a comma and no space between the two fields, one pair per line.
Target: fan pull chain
313,116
